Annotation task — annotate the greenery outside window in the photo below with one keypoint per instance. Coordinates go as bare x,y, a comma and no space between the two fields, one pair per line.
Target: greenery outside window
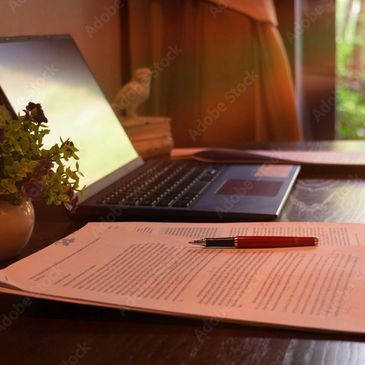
350,68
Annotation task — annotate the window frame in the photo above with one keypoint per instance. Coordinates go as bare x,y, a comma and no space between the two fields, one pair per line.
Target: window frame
308,29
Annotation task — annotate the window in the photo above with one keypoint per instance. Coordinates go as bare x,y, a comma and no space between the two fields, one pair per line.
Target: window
350,68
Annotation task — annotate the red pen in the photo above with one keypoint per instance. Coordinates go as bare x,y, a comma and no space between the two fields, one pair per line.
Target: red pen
256,242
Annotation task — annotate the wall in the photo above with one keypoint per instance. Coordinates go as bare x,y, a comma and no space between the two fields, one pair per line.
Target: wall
94,24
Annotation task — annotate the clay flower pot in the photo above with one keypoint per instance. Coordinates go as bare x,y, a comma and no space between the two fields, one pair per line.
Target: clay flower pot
16,227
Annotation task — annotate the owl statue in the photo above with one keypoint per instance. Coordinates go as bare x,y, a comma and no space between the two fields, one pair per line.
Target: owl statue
133,94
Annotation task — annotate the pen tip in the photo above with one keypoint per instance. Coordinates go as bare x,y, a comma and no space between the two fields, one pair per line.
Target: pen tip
197,242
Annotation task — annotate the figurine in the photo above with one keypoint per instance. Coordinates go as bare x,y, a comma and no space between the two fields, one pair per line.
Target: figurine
133,94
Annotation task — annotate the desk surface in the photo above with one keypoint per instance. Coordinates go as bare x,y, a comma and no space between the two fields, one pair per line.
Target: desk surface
45,332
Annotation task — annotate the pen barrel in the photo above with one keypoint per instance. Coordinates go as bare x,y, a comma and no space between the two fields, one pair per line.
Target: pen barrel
274,241
220,242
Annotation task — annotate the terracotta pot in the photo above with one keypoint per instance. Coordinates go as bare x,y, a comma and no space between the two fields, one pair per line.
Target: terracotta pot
16,227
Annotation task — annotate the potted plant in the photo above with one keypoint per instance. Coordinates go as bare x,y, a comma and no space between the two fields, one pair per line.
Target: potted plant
30,172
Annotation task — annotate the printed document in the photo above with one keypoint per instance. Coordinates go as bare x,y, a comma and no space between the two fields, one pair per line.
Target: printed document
151,267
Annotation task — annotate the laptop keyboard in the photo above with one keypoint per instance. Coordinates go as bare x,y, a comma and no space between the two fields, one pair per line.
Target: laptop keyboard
165,184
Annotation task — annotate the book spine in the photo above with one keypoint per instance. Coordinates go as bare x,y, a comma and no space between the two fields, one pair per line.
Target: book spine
149,136
154,147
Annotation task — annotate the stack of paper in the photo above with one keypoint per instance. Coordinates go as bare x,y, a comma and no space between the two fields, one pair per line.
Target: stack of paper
151,267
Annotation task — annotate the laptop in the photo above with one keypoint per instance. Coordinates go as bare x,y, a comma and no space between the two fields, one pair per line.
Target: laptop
119,185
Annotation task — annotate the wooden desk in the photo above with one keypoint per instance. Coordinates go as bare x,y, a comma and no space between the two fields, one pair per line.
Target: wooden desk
55,333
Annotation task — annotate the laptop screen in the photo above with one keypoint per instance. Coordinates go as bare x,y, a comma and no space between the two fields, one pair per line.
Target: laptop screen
52,72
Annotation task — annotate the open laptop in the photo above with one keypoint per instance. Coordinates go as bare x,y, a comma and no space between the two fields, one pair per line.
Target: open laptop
119,184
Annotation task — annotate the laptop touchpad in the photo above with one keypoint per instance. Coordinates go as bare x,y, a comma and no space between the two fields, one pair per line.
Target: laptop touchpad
250,187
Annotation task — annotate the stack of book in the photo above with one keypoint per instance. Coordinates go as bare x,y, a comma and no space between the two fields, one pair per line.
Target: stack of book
151,136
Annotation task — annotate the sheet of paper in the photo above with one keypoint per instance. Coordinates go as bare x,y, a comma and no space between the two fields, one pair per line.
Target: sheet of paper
334,158
316,157
3,277
329,234
315,287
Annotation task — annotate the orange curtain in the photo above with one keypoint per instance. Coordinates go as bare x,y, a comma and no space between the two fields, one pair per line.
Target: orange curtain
221,74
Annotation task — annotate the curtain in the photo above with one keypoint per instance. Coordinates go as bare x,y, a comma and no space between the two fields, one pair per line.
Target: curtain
219,71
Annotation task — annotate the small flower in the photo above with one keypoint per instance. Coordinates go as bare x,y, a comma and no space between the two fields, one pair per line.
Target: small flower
35,113
33,189
43,168
70,192
73,199
27,167
73,204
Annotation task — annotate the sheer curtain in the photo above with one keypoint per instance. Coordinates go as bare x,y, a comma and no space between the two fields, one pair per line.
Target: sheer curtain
219,70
